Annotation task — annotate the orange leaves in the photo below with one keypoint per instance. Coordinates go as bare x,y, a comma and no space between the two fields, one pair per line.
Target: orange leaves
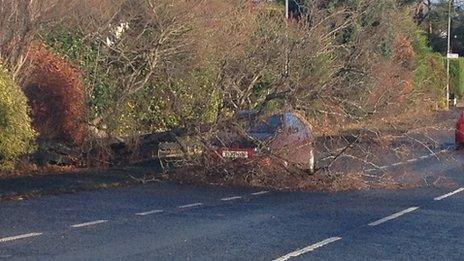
56,95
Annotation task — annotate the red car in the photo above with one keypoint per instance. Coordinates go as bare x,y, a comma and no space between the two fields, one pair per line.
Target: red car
287,136
459,132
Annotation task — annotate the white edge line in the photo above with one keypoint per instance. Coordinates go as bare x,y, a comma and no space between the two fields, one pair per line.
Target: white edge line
191,205
449,194
231,198
308,249
91,223
260,193
149,212
393,216
7,239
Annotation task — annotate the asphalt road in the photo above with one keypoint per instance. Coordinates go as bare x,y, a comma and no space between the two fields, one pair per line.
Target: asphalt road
164,221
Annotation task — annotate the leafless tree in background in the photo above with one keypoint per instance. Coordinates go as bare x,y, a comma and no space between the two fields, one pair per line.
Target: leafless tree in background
21,20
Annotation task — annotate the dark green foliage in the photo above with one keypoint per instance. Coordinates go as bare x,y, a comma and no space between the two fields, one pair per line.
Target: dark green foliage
457,76
437,24
429,73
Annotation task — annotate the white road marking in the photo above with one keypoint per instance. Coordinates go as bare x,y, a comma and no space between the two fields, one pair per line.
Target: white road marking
393,216
260,193
407,161
449,194
308,249
149,212
191,205
231,198
6,239
91,223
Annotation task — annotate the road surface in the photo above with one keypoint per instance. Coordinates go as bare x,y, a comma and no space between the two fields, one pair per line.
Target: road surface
164,221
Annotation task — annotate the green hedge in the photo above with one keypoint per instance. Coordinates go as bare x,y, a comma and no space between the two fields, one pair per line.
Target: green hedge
430,74
16,133
430,70
457,76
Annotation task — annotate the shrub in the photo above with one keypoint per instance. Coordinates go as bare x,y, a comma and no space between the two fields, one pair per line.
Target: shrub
430,74
56,95
85,52
16,134
457,76
429,71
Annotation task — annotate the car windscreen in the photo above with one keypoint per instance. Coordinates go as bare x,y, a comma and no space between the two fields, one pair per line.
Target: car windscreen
294,123
270,126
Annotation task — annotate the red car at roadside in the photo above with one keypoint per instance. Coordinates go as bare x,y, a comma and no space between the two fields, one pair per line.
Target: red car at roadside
286,135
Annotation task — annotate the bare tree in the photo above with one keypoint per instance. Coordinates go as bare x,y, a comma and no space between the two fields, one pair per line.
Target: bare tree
19,23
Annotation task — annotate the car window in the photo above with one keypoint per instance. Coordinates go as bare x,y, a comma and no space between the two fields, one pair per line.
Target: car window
294,123
271,125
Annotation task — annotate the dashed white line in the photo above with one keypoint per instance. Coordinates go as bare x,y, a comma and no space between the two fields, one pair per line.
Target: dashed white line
393,216
149,212
449,194
260,193
191,205
231,198
308,249
91,223
407,161
7,239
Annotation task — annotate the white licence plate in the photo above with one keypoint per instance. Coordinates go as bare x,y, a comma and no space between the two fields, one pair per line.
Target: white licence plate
235,154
